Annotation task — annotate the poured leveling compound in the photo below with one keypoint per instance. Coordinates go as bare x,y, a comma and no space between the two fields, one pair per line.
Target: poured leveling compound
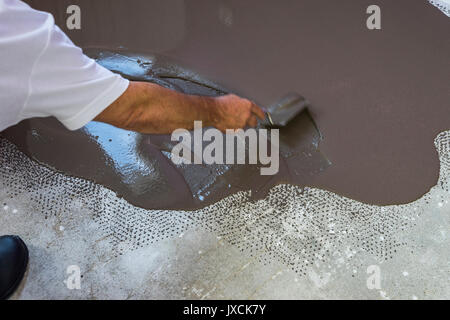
379,97
139,167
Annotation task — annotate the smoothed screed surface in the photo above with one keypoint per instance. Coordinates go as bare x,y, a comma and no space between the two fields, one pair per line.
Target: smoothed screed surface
379,97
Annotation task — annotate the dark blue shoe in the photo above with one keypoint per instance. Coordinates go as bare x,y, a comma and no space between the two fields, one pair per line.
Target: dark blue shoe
13,264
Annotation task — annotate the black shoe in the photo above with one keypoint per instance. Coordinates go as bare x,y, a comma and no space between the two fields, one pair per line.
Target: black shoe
13,263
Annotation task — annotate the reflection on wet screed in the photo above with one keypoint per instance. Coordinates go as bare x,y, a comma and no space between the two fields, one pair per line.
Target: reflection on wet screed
138,166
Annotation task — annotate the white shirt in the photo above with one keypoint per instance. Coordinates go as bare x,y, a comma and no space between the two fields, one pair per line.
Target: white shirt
42,73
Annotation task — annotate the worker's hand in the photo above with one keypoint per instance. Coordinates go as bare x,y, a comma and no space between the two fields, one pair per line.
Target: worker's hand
233,112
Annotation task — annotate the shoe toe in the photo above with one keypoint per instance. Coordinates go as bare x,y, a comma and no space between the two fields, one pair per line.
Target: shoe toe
13,263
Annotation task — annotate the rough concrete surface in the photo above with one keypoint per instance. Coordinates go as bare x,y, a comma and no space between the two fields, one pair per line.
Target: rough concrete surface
236,248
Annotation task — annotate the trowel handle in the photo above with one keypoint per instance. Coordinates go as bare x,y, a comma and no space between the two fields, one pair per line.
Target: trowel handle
269,118
267,122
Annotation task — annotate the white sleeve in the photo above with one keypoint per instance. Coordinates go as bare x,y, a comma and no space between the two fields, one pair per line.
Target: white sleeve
42,73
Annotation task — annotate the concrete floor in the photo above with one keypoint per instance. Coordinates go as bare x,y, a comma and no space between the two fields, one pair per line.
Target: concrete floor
295,244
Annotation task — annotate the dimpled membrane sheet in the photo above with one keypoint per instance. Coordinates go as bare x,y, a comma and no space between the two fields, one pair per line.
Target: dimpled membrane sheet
298,227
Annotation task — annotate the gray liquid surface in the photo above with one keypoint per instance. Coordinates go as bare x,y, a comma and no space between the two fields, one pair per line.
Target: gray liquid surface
378,97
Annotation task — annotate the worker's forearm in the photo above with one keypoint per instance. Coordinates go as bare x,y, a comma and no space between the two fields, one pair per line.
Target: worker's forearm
150,108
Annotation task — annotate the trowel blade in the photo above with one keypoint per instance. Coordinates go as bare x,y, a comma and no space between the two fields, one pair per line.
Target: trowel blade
280,113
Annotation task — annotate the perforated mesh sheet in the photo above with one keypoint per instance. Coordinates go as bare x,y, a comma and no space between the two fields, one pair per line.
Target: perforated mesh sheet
295,226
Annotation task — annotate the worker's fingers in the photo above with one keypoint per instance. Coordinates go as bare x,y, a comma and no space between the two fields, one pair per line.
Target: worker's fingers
252,121
258,111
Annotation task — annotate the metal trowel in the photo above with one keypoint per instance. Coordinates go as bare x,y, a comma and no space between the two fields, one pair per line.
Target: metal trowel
283,111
